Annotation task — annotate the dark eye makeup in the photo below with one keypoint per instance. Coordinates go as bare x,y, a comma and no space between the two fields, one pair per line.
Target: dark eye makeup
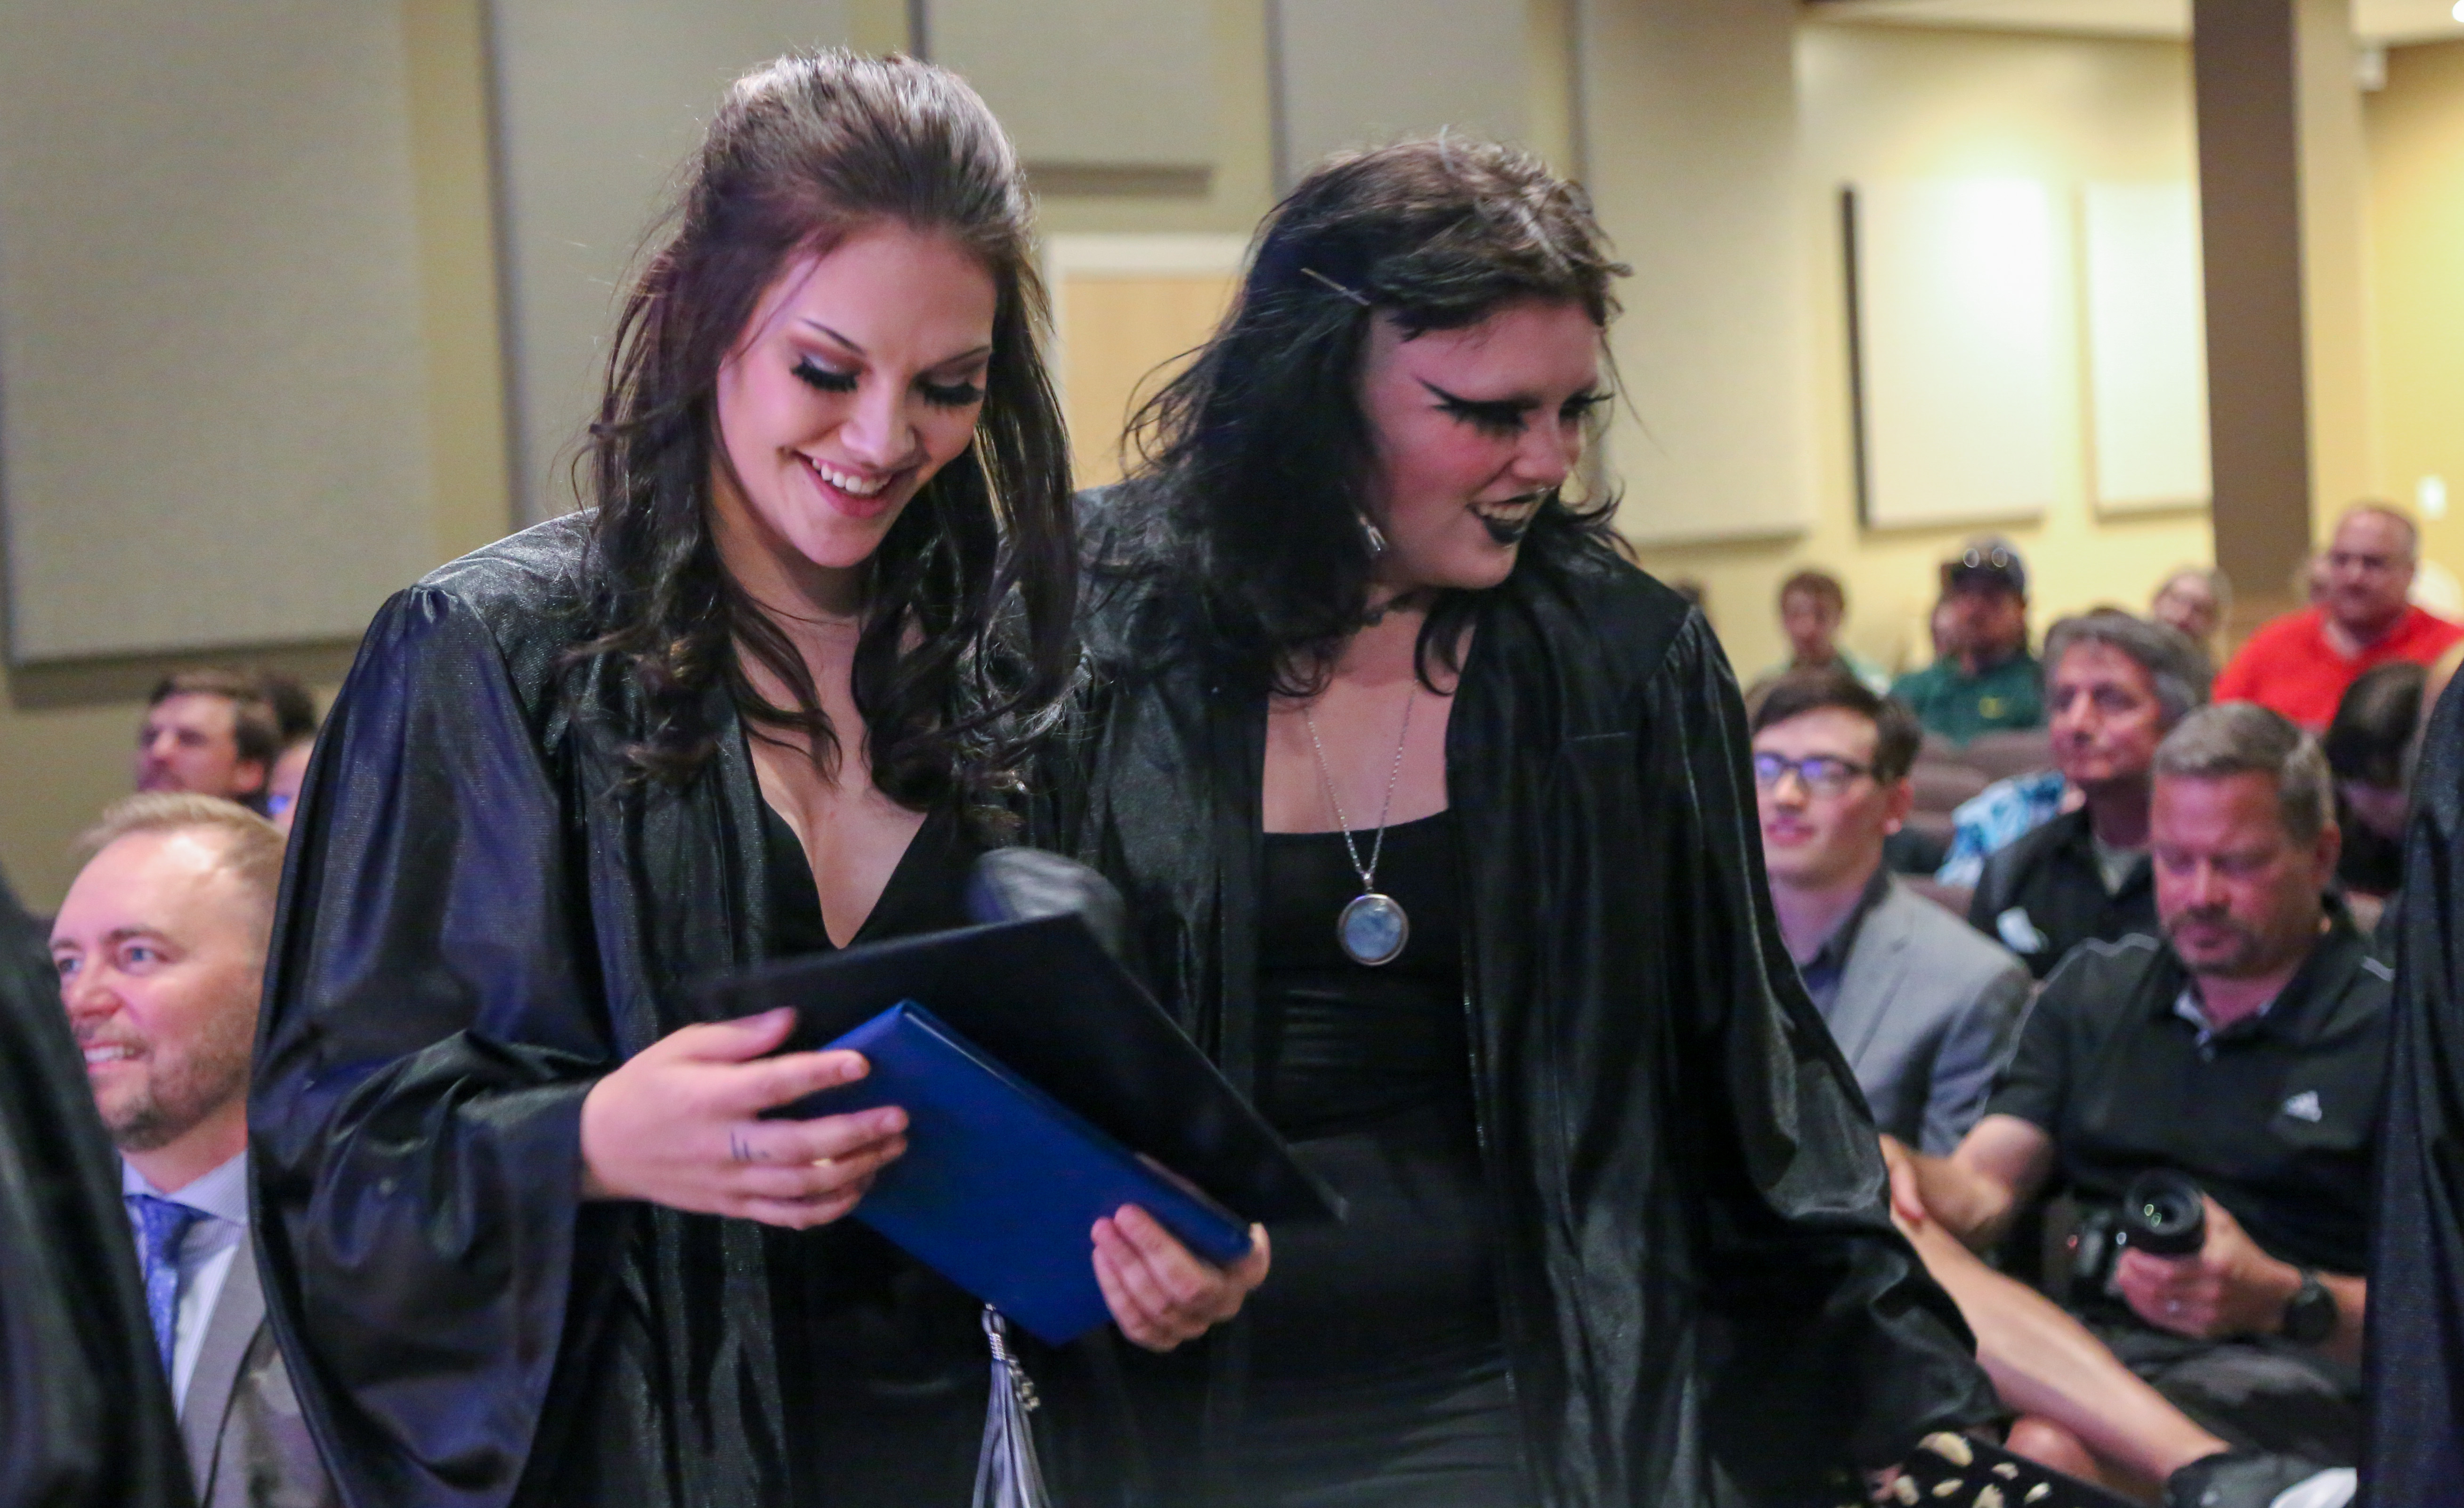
1505,415
941,395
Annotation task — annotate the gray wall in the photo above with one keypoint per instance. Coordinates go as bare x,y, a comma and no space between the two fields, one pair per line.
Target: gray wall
213,429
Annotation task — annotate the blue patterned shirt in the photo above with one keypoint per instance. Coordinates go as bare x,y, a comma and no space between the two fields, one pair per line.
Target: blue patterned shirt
1994,816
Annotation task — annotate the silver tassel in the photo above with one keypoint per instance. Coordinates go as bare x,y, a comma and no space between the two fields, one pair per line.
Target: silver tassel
1006,1474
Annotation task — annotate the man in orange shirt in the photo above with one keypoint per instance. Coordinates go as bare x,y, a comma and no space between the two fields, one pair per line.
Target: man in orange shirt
2302,663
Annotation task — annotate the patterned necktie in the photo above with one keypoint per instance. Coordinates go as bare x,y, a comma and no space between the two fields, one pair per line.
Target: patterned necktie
163,1223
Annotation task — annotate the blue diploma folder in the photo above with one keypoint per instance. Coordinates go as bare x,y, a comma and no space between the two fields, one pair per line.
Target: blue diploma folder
1001,1183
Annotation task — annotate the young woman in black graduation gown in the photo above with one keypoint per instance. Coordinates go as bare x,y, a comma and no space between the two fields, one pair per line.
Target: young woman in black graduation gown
1434,817
525,1237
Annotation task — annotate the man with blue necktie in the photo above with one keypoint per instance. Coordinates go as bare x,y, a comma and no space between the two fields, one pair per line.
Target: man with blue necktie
160,950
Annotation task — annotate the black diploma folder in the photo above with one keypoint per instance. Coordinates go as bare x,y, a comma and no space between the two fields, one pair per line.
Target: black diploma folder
1045,1089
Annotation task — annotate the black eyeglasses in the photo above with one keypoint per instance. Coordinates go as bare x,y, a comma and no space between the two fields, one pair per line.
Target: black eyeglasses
1822,775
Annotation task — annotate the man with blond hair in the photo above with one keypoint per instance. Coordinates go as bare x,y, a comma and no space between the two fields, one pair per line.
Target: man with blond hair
160,950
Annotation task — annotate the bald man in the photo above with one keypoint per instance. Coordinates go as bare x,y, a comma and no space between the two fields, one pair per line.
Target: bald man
2301,664
160,950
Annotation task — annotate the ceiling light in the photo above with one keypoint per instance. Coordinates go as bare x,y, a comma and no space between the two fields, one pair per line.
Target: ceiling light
2458,12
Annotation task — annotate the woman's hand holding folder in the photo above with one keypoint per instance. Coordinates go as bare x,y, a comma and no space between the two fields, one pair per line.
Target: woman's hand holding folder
1159,1292
678,1124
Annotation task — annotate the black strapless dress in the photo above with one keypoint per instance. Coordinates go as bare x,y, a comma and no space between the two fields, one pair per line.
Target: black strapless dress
1378,1371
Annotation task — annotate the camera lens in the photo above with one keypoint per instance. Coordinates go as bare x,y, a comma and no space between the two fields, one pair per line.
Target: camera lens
2164,1213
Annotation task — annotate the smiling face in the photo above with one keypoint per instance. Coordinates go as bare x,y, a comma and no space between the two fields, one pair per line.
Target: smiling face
1818,839
859,376
1471,430
160,951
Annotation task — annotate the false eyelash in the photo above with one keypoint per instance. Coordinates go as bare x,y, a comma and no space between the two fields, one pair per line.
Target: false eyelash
813,374
1583,403
955,395
1500,417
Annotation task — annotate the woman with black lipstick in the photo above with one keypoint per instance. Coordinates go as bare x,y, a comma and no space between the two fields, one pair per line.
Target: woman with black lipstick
527,1233
1435,819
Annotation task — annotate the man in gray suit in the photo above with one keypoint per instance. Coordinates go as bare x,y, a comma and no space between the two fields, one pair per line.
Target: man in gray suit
1925,1009
160,951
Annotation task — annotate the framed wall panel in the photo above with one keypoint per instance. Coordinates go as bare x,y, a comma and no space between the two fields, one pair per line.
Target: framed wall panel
212,404
1956,287
1088,83
1348,74
2146,345
597,103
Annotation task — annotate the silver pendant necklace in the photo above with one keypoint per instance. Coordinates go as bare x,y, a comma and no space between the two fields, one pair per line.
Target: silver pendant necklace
1372,929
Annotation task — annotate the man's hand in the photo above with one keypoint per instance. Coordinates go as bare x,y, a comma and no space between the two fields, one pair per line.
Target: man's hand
1907,1191
2228,1288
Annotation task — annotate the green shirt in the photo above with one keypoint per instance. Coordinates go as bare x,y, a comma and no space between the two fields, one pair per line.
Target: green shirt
2011,695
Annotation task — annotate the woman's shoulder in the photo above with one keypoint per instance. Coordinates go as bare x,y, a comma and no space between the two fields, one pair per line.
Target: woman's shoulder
1632,619
522,601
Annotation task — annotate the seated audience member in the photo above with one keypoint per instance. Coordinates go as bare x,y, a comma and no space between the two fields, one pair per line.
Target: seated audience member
282,787
2369,745
2000,815
160,950
2302,663
1989,680
1812,607
1922,1008
2117,684
85,1413
211,733
2245,1050
294,707
2194,600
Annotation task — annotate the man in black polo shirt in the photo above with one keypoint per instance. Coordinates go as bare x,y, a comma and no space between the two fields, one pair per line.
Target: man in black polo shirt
2247,1050
2115,684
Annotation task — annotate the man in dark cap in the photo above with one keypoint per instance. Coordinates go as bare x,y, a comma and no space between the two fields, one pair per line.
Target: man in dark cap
1990,681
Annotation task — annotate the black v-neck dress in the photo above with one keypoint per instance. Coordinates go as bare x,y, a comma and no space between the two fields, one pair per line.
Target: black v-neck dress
896,1351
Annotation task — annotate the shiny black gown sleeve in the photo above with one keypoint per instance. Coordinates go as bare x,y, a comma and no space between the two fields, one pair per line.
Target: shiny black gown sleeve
2414,1345
1836,1331
86,1412
431,1025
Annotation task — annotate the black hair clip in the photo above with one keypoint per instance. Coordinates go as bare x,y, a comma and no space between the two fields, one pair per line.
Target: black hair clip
1353,294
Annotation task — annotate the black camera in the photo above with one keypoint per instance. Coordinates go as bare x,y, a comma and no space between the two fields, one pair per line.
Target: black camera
2162,1213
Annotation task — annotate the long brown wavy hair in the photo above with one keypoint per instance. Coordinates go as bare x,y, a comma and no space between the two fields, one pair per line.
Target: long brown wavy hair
965,642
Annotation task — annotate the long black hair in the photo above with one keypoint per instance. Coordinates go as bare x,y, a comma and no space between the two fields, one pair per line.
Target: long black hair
1247,496
966,636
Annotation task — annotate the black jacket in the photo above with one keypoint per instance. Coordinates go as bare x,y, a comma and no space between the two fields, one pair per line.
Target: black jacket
1703,1297
2415,1354
86,1411
479,919
2050,877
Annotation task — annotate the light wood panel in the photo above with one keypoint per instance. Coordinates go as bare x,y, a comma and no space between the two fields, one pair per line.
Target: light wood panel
1126,337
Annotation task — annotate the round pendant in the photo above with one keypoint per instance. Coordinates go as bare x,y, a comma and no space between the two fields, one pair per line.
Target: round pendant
1372,929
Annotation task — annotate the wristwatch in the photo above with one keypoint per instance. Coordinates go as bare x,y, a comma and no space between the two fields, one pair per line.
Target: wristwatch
2310,1314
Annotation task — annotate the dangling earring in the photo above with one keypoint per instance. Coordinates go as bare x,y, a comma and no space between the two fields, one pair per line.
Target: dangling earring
1376,540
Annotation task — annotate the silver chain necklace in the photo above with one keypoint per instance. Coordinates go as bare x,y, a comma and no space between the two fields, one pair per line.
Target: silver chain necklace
1372,929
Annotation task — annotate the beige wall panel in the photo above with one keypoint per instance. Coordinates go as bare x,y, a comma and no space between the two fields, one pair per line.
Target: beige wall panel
2416,151
597,103
1088,83
1888,102
2146,345
1349,74
215,427
1690,121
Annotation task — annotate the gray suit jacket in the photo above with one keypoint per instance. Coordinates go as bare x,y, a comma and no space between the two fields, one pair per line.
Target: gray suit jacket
1927,1011
247,1445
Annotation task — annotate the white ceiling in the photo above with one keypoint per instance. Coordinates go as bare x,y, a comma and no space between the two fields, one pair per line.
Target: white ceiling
2394,21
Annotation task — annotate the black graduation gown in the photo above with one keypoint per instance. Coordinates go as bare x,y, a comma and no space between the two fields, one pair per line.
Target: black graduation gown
86,1411
480,916
1703,1298
2413,1355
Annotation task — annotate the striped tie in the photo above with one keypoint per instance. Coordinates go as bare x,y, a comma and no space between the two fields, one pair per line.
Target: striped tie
164,1224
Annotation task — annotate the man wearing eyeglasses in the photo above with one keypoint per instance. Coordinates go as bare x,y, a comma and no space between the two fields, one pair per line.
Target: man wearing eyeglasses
1988,681
1924,1009
2301,664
